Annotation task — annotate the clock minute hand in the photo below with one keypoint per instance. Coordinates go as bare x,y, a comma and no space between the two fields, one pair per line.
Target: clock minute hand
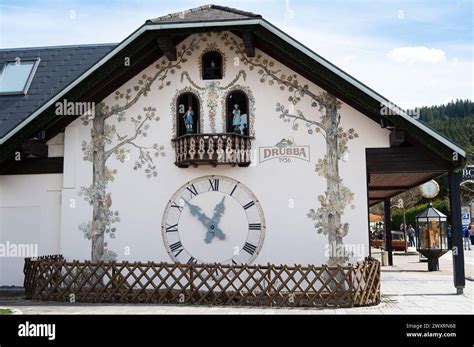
197,212
218,211
206,221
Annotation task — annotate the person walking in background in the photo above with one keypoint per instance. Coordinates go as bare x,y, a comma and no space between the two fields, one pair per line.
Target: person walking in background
411,236
467,238
471,234
450,238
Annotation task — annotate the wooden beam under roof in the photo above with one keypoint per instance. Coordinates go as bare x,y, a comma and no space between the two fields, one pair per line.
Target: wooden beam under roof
34,166
396,183
404,160
166,45
248,40
35,147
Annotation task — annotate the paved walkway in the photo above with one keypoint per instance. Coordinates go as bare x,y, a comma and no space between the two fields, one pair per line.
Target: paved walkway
407,288
412,289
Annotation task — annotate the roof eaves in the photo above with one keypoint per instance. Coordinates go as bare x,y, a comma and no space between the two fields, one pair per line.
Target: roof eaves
41,48
251,21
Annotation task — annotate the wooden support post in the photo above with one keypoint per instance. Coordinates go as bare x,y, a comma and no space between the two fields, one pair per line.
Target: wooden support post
456,231
367,179
388,230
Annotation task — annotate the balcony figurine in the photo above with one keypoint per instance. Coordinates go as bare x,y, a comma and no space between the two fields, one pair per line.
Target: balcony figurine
236,120
189,120
231,147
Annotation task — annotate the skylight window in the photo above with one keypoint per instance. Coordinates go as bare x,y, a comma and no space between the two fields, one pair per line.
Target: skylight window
16,76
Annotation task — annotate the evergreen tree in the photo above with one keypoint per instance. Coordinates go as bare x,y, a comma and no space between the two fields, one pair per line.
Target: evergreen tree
455,120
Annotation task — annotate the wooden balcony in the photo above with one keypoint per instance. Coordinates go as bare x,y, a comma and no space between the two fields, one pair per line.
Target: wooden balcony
213,149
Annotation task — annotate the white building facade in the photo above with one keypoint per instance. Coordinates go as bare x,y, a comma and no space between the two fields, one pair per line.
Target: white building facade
271,209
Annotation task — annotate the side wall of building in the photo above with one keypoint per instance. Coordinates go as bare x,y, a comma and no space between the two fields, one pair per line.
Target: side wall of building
29,221
30,217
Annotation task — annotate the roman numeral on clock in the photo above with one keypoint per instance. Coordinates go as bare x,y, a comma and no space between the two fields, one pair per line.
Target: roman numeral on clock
249,248
175,205
192,260
214,182
171,228
192,189
255,226
176,247
250,204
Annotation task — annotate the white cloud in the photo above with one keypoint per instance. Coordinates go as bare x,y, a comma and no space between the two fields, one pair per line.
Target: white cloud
418,54
344,43
407,85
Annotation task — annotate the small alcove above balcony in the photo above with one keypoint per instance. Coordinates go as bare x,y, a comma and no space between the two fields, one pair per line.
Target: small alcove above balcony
213,149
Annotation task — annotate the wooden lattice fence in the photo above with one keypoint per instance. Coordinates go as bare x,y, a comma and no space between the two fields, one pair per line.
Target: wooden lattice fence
53,278
30,268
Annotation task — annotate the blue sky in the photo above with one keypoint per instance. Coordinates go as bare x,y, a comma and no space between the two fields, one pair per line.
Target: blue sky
413,52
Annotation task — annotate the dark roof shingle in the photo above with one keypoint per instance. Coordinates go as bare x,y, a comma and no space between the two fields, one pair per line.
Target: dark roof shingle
58,67
204,13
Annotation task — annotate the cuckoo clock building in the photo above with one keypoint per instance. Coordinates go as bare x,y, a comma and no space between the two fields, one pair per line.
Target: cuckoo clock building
207,135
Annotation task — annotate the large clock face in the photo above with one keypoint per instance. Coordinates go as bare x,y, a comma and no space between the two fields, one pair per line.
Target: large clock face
213,219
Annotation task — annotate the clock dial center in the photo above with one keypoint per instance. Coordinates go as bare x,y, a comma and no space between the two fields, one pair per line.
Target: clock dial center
207,240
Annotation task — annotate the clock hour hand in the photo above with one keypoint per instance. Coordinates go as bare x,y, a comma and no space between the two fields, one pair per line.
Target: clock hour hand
211,227
209,237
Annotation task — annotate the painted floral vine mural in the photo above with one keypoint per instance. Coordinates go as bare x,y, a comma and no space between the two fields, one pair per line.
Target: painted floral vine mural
326,121
106,142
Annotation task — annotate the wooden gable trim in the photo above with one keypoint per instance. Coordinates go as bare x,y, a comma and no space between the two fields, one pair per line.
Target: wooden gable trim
34,166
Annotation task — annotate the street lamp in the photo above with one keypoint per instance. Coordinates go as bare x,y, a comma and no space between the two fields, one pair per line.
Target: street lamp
432,235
